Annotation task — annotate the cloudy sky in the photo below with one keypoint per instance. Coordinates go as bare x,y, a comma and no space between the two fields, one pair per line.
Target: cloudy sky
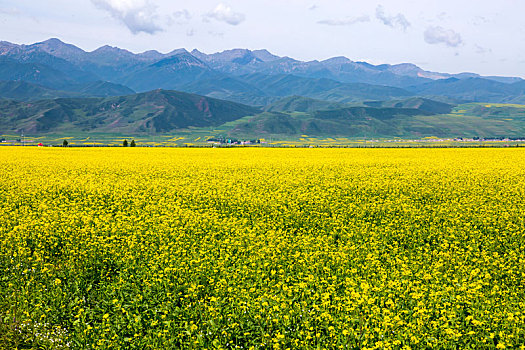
486,37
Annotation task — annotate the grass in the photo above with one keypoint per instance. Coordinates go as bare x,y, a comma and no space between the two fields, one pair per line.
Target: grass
466,121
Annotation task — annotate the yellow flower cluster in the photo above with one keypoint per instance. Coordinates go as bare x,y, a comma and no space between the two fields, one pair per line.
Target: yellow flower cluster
265,248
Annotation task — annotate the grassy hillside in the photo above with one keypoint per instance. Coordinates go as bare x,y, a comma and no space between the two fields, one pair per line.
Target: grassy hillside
321,88
101,89
231,89
24,91
468,120
471,90
423,104
301,104
153,112
161,112
35,73
348,121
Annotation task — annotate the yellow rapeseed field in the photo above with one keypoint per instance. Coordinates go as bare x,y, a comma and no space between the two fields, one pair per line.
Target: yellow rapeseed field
252,248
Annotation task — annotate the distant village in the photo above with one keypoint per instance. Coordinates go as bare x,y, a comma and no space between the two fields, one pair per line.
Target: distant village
223,141
226,141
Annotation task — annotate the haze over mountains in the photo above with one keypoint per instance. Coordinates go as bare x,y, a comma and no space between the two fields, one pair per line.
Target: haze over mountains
264,83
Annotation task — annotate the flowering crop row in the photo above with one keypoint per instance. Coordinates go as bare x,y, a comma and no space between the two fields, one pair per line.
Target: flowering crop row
262,248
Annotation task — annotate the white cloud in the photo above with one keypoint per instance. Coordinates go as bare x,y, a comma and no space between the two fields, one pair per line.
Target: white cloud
439,35
13,11
137,15
345,22
182,14
482,50
398,20
179,17
216,34
224,13
480,20
442,16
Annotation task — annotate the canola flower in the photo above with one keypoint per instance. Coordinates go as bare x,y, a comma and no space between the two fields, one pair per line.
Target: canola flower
264,248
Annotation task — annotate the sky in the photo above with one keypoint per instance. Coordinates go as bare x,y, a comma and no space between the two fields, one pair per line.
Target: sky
452,36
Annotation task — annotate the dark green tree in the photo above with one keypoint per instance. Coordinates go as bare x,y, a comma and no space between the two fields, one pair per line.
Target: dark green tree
125,143
132,144
65,143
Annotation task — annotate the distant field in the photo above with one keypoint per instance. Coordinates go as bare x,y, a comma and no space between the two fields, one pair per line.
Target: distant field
252,248
354,125
202,139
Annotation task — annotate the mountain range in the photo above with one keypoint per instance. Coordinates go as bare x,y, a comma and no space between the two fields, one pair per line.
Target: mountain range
52,86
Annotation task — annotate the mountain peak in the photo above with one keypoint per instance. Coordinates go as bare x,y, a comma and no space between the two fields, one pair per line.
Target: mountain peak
178,52
410,69
264,55
58,48
179,59
53,41
200,55
107,48
111,49
337,60
404,68
228,55
6,46
467,75
151,55
406,65
236,51
110,53
236,56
